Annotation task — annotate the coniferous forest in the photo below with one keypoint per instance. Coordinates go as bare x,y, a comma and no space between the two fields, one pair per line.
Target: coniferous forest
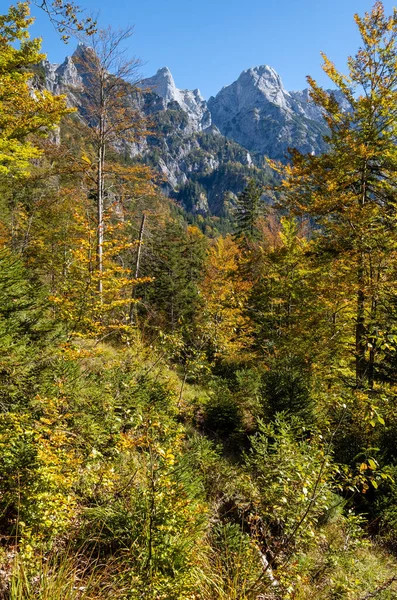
195,408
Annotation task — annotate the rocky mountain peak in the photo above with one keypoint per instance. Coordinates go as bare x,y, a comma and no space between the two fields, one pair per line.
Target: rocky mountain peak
62,78
254,88
256,112
82,50
163,84
261,115
166,74
262,77
265,83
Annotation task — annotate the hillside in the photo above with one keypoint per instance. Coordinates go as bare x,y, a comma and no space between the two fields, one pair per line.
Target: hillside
187,145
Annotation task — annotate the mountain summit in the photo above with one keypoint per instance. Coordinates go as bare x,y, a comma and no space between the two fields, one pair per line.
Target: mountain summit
260,114
256,110
191,102
206,151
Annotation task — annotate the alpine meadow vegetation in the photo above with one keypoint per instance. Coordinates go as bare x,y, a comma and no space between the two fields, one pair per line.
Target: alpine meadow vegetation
194,409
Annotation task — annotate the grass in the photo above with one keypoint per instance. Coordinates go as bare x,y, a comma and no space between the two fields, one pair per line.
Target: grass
60,577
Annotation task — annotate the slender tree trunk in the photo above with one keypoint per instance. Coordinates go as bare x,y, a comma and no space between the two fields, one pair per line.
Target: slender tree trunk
371,365
360,315
100,187
100,224
373,349
138,254
151,519
137,265
360,328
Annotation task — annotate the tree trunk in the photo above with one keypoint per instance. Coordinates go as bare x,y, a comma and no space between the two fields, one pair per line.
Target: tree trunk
360,329
137,265
100,185
360,316
99,252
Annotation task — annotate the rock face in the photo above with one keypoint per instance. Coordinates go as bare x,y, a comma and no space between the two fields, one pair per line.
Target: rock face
191,102
257,112
63,78
188,150
207,151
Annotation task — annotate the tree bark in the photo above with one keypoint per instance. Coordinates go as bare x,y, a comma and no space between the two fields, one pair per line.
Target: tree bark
101,185
137,265
360,316
360,329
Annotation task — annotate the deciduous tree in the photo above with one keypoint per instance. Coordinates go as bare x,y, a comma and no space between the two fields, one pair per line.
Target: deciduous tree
350,191
23,111
110,109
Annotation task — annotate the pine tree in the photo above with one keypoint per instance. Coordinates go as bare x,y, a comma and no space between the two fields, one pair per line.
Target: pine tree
175,260
282,301
248,209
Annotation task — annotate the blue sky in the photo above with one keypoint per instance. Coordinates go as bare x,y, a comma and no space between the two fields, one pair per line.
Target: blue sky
206,44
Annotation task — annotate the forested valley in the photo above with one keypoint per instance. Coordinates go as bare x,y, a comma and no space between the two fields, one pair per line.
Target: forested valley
195,408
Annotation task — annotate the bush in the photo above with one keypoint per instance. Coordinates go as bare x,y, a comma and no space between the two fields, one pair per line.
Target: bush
223,415
286,388
386,509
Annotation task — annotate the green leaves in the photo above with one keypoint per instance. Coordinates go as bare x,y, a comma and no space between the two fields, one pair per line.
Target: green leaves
294,476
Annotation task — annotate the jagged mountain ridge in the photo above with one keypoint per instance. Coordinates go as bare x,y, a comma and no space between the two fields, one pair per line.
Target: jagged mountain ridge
256,111
260,114
191,102
194,140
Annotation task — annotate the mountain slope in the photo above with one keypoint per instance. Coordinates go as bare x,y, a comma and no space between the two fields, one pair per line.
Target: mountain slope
193,141
257,112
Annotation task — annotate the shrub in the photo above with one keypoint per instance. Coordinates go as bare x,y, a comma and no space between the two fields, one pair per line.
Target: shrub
286,388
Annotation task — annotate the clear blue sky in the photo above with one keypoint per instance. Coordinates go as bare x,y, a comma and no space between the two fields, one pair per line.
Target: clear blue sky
206,44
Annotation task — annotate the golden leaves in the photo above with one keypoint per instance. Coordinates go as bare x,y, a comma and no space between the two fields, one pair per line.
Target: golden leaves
21,111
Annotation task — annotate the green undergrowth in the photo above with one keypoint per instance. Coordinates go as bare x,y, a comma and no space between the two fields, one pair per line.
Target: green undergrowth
121,477
116,484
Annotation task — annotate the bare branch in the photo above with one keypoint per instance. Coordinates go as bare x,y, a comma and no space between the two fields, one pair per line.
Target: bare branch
66,18
380,589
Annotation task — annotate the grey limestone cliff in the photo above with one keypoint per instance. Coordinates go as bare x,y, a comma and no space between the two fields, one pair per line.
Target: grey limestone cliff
260,114
190,101
207,150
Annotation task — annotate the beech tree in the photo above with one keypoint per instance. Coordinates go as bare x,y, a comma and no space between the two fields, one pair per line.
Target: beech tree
66,17
350,191
22,112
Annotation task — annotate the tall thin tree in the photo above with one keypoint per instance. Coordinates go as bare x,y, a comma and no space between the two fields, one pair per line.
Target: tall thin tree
109,106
